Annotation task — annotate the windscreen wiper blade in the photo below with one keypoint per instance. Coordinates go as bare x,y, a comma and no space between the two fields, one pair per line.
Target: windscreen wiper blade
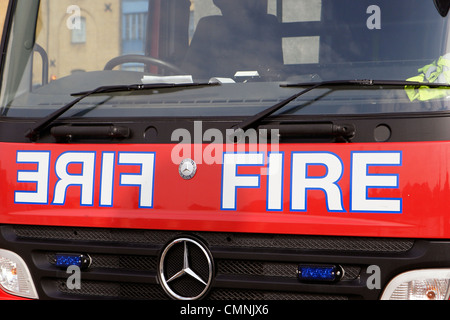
255,119
42,124
139,87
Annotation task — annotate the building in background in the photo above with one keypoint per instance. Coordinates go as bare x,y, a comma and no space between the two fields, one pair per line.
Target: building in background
3,7
118,27
71,35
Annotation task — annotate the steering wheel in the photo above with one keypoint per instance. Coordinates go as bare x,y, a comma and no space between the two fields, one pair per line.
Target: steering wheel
141,59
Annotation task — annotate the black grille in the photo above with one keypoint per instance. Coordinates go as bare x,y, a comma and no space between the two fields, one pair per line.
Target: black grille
272,269
247,266
92,289
234,240
108,290
120,262
270,295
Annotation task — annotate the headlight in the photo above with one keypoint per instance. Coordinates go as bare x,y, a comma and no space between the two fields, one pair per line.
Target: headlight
15,278
426,284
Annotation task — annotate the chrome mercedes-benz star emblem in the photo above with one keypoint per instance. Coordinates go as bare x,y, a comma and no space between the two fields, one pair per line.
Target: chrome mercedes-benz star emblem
186,269
187,169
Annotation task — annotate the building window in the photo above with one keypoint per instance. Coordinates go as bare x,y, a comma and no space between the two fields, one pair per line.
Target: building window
134,23
79,33
134,26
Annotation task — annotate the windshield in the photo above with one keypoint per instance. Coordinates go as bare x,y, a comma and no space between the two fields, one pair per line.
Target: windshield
250,47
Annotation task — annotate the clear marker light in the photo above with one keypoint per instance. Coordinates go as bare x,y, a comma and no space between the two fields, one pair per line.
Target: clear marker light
15,278
425,284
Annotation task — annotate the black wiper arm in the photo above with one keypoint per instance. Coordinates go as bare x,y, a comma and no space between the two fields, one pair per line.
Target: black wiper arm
42,124
255,119
138,87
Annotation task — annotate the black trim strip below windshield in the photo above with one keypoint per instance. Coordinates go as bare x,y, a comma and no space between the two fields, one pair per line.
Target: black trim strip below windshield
375,128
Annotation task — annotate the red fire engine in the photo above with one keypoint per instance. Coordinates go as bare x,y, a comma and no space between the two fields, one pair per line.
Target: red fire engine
225,149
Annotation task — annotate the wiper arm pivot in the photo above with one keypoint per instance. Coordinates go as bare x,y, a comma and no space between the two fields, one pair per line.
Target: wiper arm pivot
42,124
34,132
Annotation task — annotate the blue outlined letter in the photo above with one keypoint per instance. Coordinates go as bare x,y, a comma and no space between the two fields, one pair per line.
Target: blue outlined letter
231,180
301,182
362,181
39,177
144,180
85,179
107,179
275,181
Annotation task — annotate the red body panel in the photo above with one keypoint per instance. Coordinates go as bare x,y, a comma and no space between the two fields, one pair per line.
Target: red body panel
6,296
178,204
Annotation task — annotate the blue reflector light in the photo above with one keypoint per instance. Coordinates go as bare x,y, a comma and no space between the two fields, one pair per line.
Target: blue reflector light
65,260
328,273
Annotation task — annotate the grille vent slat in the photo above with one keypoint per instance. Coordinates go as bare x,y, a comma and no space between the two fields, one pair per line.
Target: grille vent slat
231,240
